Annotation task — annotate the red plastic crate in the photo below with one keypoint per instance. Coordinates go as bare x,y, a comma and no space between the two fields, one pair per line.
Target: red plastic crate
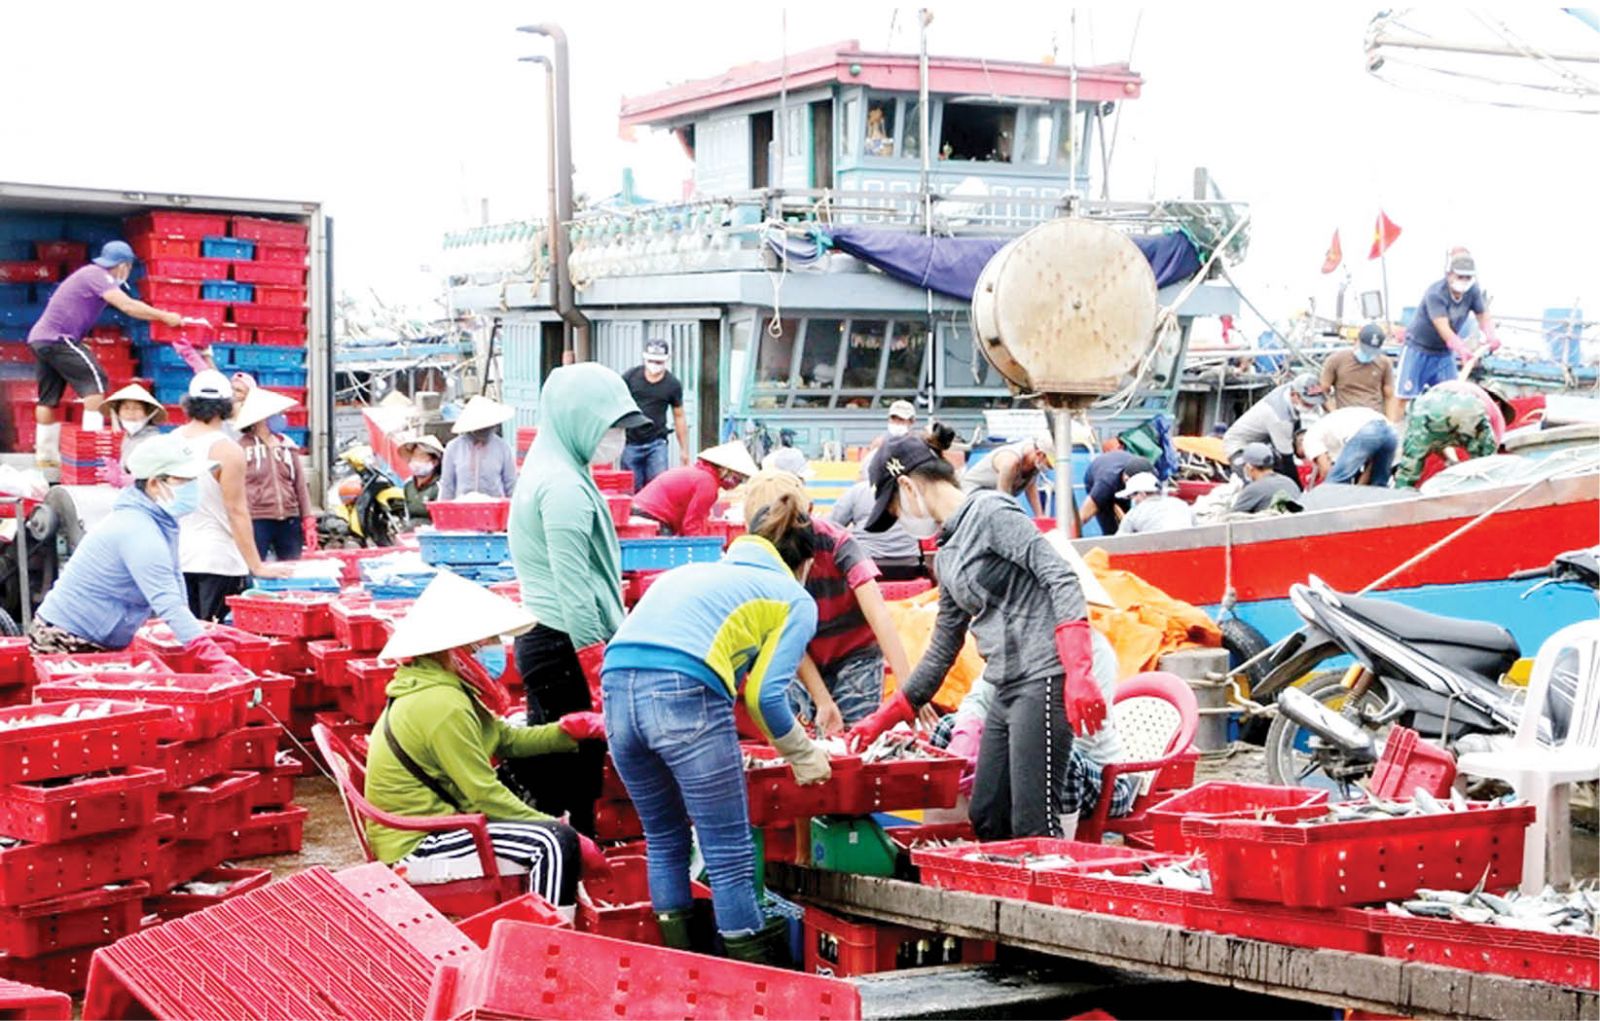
253,652
211,807
288,615
363,698
66,972
157,291
1336,864
178,225
531,970
280,297
272,273
180,861
269,831
530,907
31,1003
28,272
311,693
364,627
16,662
1217,800
930,782
1124,898
291,336
254,747
30,872
240,881
288,655
54,666
929,835
271,699
90,918
613,482
203,705
331,661
954,868
470,515
213,312
268,316
616,820
199,336
627,913
1344,929
273,232
53,811
621,508
775,796
124,736
188,762
150,247
1409,763
643,530
837,946
282,255
74,253
1565,960
276,789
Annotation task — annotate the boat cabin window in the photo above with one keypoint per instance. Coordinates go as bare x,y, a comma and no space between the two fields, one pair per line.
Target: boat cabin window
978,132
866,353
1038,124
849,125
819,363
911,133
880,126
775,354
907,345
965,378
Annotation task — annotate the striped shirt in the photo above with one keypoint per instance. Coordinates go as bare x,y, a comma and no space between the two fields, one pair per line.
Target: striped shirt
840,567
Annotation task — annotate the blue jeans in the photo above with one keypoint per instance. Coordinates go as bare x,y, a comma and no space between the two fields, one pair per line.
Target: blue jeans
280,540
676,748
855,682
1374,444
645,460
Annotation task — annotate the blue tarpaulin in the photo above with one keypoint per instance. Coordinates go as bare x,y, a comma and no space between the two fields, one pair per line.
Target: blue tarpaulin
951,265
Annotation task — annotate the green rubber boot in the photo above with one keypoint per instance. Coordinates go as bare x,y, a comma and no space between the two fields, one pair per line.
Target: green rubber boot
675,933
768,945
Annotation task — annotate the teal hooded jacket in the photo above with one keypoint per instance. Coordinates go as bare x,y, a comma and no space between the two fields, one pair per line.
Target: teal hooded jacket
562,540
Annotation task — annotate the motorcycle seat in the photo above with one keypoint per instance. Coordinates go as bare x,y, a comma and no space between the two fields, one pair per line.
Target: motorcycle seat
1474,645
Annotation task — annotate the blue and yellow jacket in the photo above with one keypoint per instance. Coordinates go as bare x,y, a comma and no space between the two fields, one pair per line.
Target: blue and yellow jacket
740,623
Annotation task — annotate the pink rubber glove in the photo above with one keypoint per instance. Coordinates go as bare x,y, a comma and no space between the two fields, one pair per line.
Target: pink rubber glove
964,742
210,659
896,710
1492,345
111,473
595,864
308,529
583,726
1086,707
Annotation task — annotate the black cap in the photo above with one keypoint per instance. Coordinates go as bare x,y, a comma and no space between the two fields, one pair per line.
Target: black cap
1372,336
1135,465
900,456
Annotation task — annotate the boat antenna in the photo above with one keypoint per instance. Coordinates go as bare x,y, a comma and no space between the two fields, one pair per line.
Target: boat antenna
924,19
783,98
1072,116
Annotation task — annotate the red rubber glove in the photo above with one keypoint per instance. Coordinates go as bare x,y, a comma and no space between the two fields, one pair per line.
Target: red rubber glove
595,864
210,659
590,659
896,710
308,529
1086,707
583,726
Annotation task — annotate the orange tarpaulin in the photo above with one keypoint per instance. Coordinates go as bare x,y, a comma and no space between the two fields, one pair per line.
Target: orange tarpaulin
1146,625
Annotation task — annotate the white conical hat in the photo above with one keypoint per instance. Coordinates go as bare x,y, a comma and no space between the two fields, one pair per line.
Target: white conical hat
260,405
733,456
452,612
135,392
425,441
481,413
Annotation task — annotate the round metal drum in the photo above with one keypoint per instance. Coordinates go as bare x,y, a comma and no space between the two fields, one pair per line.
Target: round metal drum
1067,308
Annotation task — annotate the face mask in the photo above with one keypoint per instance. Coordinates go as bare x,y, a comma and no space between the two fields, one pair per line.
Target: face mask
610,446
726,480
1365,355
919,524
422,468
131,426
492,658
896,429
185,499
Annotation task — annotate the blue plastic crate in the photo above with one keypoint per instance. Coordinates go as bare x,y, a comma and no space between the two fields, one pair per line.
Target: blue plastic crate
281,377
668,552
16,294
228,248
93,231
139,332
295,584
300,435
170,393
20,316
158,358
395,591
227,290
464,547
262,356
16,251
487,574
30,227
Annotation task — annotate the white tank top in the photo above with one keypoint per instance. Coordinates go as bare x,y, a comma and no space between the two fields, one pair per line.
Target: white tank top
205,542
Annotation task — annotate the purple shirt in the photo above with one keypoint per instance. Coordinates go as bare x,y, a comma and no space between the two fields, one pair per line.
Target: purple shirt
75,306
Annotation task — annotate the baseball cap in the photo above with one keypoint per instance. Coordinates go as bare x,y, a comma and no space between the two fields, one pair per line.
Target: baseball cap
1046,445
1308,388
1372,336
1259,455
1144,482
1462,265
788,459
114,253
903,410
167,454
211,384
655,351
900,456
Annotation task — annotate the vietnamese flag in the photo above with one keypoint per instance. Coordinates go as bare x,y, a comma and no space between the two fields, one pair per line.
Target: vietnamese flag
1330,261
1384,234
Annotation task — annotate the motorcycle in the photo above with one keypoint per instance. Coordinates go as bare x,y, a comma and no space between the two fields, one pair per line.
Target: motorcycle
367,507
1439,676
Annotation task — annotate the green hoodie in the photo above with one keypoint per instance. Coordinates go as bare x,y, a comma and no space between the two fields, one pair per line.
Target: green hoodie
562,540
452,737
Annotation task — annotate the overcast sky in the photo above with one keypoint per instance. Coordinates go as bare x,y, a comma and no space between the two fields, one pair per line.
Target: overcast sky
400,118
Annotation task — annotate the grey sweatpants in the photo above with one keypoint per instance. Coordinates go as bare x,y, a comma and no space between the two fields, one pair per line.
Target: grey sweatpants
1022,762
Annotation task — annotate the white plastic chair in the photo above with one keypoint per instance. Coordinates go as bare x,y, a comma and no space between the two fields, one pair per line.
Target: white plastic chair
1543,774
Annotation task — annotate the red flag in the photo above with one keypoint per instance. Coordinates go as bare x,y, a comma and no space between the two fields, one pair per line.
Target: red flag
1384,234
1330,261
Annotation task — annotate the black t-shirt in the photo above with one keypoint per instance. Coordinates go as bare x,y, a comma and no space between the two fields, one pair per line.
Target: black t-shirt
653,400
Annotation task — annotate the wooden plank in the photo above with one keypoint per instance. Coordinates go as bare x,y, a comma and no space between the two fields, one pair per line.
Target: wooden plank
1330,977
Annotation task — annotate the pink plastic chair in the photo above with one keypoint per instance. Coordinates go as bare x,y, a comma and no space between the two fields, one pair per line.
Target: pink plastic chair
1156,716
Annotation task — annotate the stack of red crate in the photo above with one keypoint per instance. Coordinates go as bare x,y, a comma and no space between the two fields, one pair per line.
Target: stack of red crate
16,671
85,455
80,820
278,274
168,245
